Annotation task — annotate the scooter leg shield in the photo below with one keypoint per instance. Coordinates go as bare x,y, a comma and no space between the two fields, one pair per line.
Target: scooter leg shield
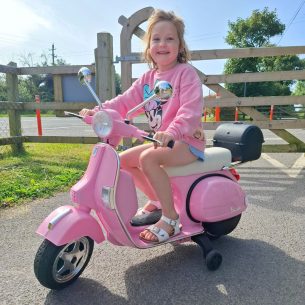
216,198
68,223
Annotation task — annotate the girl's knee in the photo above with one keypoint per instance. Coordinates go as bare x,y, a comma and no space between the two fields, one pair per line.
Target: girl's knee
124,161
147,160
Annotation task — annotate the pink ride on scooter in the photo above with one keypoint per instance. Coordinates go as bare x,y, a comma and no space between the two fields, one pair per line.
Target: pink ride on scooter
207,196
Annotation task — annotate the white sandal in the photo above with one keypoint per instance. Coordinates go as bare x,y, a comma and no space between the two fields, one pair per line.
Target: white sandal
160,233
143,211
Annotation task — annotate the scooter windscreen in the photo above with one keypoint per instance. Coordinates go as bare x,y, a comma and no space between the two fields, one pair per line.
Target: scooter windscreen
102,124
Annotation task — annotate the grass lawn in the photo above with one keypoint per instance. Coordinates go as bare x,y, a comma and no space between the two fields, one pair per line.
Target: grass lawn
41,171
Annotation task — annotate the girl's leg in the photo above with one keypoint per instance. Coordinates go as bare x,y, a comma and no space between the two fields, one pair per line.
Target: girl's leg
151,162
130,162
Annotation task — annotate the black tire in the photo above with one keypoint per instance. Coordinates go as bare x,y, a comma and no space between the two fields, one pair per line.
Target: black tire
213,260
50,261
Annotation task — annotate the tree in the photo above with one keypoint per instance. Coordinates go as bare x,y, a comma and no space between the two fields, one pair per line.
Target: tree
29,86
117,82
3,93
299,88
256,31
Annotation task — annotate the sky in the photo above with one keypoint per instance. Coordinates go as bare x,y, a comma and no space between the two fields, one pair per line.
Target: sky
32,26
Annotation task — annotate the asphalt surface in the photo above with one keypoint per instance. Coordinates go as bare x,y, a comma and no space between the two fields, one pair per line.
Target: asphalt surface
69,126
263,258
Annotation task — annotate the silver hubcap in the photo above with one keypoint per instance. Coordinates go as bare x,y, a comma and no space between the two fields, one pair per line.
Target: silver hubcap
70,260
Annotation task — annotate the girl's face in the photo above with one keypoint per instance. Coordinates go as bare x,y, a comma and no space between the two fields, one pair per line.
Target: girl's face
164,45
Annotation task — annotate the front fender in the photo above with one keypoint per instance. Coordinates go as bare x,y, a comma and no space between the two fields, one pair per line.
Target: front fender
68,223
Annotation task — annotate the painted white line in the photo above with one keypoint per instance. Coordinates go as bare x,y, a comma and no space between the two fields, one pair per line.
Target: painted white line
298,165
293,171
272,161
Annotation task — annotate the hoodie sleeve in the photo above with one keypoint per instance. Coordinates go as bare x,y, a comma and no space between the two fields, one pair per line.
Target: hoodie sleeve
189,114
126,101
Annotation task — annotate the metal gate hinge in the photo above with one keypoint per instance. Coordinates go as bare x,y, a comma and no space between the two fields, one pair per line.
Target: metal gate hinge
126,58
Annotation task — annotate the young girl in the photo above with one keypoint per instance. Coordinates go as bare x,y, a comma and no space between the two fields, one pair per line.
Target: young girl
177,119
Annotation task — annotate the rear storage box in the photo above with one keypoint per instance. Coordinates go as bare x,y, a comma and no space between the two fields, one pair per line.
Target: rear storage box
243,140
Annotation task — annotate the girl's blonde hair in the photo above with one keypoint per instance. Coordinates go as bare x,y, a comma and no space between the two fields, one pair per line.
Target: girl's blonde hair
160,15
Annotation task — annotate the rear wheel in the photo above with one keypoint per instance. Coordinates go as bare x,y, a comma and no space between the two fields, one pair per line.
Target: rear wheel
56,267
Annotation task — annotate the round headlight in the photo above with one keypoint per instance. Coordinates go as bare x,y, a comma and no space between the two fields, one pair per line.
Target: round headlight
102,124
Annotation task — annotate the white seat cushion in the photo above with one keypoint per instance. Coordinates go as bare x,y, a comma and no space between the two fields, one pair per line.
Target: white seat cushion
215,159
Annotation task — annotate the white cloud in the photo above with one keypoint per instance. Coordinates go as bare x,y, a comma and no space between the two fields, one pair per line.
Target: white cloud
18,22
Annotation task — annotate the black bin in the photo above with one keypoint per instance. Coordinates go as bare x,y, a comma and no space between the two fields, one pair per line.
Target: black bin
243,140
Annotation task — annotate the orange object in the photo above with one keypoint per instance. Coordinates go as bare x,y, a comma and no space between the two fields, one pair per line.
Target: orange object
205,114
271,113
236,114
217,109
38,117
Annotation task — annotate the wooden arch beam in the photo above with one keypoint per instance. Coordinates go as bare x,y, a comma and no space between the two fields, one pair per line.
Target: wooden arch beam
130,27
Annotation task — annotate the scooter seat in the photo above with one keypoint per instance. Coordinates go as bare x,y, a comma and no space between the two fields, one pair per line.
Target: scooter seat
215,159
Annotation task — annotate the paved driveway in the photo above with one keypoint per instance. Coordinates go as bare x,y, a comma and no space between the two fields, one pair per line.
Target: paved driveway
263,259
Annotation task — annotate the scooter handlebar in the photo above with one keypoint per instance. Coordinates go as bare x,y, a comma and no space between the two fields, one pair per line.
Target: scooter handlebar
67,113
87,118
129,130
170,144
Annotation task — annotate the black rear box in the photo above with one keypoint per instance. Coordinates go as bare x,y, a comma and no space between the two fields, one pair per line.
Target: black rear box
243,140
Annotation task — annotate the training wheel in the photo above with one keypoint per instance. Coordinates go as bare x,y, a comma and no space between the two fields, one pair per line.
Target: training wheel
213,260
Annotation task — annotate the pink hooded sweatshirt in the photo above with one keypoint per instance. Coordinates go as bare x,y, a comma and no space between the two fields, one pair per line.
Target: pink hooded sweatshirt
180,115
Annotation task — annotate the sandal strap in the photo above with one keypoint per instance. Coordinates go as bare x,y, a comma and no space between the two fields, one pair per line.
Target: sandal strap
161,234
174,223
156,203
171,222
143,211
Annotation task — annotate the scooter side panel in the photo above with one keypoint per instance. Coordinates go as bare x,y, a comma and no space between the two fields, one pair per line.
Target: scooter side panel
126,197
83,191
106,176
117,222
68,223
216,198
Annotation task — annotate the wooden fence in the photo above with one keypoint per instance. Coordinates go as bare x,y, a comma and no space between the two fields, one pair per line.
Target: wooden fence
104,70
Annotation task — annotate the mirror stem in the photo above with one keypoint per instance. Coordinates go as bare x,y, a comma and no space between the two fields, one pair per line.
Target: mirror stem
93,93
131,111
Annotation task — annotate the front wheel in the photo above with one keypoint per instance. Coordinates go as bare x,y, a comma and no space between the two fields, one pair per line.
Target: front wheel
56,267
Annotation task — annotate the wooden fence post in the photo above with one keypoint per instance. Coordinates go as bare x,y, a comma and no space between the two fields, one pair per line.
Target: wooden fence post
104,66
58,93
13,114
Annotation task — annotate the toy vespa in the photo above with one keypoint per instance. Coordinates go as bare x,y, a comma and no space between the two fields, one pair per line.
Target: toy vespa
207,196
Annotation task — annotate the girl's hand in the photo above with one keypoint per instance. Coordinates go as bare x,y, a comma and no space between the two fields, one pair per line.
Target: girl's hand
85,112
162,137
199,134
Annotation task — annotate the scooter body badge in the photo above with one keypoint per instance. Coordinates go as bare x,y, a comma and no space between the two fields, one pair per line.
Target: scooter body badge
94,152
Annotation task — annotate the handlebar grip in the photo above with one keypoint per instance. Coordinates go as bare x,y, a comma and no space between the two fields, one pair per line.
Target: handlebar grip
171,144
